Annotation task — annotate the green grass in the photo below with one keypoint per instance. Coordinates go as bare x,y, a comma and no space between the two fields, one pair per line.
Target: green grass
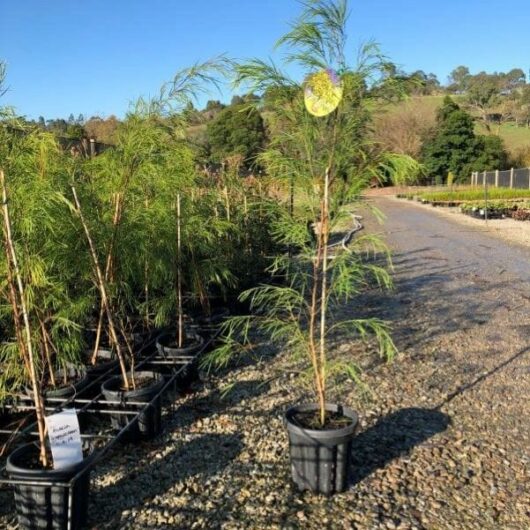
514,137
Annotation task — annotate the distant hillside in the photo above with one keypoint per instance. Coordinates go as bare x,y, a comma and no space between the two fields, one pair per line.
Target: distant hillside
515,138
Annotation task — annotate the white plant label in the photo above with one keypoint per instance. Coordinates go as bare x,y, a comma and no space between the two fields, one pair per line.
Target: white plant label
65,438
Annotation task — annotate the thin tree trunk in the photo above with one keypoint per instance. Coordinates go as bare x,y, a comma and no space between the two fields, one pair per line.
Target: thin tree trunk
103,291
39,406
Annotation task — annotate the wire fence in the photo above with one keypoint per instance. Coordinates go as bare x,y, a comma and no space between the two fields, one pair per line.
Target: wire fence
510,178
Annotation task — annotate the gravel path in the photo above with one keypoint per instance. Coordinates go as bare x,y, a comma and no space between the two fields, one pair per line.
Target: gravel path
444,433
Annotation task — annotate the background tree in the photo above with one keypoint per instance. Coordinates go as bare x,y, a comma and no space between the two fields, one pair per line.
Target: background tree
103,130
459,79
454,147
483,95
237,130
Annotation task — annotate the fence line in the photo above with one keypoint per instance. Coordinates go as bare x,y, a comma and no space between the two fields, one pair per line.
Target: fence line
510,178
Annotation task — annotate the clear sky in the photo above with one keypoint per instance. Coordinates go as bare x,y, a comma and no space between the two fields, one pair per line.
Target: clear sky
95,56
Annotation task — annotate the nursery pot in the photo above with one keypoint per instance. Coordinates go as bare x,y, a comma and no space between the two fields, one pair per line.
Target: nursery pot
320,458
186,356
46,506
108,364
215,318
149,422
65,391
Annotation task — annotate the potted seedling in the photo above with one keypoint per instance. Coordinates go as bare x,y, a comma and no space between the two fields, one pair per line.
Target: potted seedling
322,153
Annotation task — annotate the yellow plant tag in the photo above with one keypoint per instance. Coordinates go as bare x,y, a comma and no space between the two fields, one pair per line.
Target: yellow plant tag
322,92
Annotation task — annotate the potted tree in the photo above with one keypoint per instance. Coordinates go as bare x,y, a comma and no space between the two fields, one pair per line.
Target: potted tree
135,155
320,154
38,298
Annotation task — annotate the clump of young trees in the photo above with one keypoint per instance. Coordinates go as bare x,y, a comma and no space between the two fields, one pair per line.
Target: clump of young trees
97,248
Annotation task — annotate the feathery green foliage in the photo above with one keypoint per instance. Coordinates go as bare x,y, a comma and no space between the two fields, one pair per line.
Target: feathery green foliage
322,166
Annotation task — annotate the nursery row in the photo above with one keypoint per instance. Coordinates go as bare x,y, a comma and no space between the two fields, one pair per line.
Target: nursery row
515,208
453,197
106,414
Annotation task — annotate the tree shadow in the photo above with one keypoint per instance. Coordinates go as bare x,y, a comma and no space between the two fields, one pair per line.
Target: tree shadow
392,436
218,401
203,457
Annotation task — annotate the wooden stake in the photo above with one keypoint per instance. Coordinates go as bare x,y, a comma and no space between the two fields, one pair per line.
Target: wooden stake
324,227
180,334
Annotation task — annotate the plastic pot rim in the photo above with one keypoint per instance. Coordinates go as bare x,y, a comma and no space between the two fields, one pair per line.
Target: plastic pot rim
322,434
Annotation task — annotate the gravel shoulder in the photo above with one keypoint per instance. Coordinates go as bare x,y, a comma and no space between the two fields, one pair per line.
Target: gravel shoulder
445,430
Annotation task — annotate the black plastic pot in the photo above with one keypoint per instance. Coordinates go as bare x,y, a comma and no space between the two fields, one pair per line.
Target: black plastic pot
67,391
320,459
108,364
149,423
185,360
215,318
46,506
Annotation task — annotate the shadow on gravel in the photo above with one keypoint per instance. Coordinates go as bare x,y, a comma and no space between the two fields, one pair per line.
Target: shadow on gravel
393,436
202,457
469,386
216,402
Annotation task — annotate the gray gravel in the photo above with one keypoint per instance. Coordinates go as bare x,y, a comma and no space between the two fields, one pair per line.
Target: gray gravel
445,431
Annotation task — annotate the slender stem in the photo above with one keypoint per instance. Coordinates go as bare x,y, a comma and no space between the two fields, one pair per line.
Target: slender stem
39,406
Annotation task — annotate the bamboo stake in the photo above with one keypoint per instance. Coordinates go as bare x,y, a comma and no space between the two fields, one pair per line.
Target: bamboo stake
12,295
225,191
108,268
146,279
179,279
102,289
323,301
39,407
47,352
99,329
313,311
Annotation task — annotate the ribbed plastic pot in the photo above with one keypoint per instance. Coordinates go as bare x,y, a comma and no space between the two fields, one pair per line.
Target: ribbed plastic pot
186,355
320,459
149,422
45,506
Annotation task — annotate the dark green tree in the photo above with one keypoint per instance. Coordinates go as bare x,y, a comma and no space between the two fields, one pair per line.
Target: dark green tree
454,147
237,130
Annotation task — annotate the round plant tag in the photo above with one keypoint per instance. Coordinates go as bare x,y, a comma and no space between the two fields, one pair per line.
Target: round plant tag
322,92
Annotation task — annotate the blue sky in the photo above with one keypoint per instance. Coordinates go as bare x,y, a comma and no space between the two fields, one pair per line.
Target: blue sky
95,56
